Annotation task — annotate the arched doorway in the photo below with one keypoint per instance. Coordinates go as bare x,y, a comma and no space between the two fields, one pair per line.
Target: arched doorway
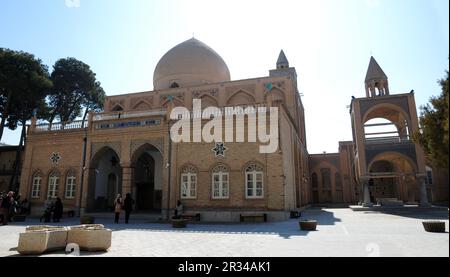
147,183
393,176
105,180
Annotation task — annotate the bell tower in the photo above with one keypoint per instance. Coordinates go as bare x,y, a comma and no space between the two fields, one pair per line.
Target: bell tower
389,165
376,80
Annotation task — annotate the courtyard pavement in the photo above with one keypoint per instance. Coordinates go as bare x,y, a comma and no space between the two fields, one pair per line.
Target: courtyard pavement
341,233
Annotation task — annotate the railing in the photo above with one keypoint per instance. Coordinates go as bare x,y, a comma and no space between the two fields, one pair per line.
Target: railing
387,140
125,115
59,126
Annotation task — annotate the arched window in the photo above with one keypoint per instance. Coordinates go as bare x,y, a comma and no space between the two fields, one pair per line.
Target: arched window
254,181
70,185
36,187
174,85
220,182
53,184
189,183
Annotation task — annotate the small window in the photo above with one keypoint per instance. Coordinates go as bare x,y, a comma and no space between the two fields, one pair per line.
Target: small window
189,183
70,186
36,187
254,181
174,85
53,184
220,183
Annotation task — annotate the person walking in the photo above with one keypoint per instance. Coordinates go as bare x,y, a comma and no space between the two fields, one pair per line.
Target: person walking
128,207
58,210
117,208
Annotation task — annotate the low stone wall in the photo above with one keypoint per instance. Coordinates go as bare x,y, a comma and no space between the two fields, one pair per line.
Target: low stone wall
41,239
90,237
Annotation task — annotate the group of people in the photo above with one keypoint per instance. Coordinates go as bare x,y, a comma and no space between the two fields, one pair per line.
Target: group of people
53,209
125,205
12,205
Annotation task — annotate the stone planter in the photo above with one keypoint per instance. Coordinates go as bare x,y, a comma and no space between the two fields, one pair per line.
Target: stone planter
308,225
38,240
179,223
87,220
434,226
90,238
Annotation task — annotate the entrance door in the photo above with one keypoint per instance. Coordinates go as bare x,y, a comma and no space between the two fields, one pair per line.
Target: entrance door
145,182
112,189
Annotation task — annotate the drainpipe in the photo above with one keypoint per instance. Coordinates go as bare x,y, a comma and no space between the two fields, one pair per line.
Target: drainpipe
83,167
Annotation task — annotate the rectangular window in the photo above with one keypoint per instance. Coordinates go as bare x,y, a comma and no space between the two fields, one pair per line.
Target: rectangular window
220,185
70,187
36,188
255,184
188,185
53,184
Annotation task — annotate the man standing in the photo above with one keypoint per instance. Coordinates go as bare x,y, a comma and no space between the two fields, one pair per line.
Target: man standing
128,206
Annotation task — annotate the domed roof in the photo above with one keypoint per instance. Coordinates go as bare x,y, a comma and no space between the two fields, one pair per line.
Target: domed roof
188,64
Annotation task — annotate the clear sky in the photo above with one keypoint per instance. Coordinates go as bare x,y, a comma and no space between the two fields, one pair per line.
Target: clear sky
328,41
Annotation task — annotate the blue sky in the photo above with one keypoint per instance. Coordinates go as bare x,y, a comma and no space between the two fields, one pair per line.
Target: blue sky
328,41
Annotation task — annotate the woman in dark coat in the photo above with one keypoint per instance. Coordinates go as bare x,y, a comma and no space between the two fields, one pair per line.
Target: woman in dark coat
58,210
128,206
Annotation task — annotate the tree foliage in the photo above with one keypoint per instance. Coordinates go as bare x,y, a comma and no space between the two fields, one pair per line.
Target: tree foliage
434,123
24,83
74,88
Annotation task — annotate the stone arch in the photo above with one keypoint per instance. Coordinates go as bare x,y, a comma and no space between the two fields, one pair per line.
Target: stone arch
102,151
278,95
147,177
142,105
117,108
177,102
387,156
387,107
208,101
241,97
101,193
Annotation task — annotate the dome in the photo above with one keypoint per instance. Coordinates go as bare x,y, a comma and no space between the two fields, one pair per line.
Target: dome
190,63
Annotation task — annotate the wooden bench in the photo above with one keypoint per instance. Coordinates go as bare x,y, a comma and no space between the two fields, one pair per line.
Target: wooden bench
191,216
253,217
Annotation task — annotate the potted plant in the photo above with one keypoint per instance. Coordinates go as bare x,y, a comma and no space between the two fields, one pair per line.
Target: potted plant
308,225
434,226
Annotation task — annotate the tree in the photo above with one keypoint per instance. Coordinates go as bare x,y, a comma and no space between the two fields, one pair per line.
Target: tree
74,88
434,123
24,83
21,78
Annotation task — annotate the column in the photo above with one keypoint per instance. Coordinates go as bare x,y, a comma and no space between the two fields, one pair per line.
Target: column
423,191
127,179
366,192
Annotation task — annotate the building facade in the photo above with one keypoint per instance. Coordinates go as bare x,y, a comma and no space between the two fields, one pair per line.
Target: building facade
127,148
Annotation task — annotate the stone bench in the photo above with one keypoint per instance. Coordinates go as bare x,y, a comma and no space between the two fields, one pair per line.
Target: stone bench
253,217
92,238
38,240
191,216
